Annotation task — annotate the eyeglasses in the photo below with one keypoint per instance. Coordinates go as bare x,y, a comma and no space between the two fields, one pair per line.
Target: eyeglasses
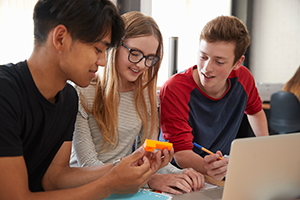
135,56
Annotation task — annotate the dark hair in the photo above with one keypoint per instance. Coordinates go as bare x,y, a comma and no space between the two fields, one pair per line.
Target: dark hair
227,29
87,20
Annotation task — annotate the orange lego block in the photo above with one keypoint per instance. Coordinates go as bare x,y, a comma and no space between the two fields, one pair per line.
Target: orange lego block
151,145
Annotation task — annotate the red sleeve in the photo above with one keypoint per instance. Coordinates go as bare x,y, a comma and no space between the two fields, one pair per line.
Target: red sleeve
174,113
254,103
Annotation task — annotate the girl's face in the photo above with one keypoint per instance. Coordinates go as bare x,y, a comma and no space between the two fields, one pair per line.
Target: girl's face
128,71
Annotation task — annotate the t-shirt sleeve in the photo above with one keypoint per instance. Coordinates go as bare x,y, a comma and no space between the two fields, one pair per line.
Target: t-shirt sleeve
174,113
10,114
254,103
72,101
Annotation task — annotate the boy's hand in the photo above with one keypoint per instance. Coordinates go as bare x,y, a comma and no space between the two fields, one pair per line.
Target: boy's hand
131,173
135,170
215,167
163,157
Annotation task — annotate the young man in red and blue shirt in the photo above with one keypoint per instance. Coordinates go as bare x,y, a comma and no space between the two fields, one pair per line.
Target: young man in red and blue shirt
206,103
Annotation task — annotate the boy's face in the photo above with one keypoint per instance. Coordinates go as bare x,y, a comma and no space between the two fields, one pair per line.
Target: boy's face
214,64
81,61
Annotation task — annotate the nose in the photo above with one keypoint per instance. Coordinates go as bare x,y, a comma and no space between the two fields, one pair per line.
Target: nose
101,59
208,67
141,64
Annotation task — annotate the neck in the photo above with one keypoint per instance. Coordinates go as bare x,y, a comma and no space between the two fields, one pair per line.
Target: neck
126,86
43,69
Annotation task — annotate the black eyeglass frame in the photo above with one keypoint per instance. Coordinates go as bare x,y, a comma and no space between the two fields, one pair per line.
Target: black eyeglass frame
132,50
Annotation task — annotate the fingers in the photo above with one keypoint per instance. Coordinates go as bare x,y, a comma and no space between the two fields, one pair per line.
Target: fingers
219,153
171,183
171,154
179,187
157,160
136,169
144,170
172,190
140,162
216,176
214,161
184,182
148,171
160,159
196,178
166,157
213,157
137,154
216,168
128,178
188,181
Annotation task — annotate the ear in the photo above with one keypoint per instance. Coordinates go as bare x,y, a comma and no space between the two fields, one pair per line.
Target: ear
239,63
60,37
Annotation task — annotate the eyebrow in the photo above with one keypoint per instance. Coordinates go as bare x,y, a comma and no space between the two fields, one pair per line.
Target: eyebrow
137,49
218,57
106,43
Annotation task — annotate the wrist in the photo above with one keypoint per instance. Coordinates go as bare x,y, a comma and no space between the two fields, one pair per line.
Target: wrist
117,161
151,182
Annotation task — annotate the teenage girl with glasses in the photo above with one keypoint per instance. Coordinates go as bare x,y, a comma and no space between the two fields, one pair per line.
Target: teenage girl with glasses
118,111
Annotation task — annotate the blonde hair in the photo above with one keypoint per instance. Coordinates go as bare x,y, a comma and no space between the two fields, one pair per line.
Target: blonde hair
293,85
106,102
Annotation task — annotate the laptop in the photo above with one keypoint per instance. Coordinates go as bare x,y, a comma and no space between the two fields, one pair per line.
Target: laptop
262,168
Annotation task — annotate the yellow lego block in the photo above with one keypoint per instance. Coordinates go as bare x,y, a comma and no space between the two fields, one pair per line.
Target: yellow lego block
151,145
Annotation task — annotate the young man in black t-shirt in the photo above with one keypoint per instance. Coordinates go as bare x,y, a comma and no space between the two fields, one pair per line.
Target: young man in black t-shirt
38,108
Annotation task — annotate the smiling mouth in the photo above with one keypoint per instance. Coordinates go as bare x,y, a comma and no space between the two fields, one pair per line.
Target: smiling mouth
136,71
93,71
207,76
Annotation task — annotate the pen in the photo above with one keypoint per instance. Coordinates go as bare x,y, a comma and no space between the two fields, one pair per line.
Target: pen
203,149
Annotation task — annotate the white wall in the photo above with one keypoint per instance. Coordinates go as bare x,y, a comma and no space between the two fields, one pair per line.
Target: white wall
114,1
146,7
184,19
275,40
16,30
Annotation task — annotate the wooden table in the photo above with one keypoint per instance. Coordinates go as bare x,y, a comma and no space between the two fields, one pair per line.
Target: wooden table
212,181
266,106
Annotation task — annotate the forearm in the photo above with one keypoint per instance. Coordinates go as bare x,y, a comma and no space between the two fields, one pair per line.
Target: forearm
96,190
14,184
258,123
70,177
189,159
60,175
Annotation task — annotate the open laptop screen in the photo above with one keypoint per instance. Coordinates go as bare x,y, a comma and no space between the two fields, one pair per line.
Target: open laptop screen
264,168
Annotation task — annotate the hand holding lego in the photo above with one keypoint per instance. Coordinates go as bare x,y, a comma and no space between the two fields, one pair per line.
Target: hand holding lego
164,156
151,145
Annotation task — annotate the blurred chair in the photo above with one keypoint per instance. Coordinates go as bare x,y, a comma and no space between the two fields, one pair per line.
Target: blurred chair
284,112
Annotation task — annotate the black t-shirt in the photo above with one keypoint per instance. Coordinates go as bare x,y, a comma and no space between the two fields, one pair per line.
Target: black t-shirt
30,125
